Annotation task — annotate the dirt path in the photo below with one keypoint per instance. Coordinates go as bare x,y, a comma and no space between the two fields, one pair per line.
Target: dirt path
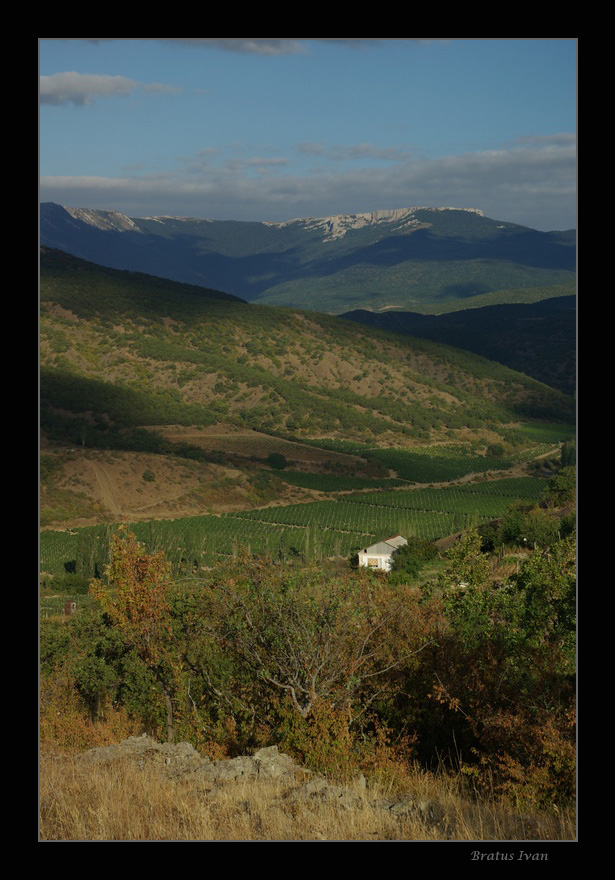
108,489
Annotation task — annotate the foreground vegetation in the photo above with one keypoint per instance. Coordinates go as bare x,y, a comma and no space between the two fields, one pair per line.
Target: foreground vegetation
466,677
122,802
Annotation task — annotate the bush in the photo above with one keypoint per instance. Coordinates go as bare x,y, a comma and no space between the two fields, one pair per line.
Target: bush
495,450
410,559
65,721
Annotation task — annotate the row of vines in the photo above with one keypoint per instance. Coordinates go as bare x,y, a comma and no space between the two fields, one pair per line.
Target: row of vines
310,531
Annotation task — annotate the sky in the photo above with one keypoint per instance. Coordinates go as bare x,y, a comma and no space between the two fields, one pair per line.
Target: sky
272,129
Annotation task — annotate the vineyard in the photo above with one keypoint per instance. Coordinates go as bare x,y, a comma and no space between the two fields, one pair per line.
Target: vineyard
436,464
311,530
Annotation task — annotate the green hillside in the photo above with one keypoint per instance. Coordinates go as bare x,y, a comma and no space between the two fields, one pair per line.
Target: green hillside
416,258
133,351
537,338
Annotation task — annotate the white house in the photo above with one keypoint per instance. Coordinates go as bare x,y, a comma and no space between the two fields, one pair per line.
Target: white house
381,555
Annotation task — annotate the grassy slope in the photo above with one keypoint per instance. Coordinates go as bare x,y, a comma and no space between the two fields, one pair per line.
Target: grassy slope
123,351
537,338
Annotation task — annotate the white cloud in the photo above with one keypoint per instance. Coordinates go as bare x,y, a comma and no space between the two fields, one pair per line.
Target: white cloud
562,139
252,45
533,185
84,88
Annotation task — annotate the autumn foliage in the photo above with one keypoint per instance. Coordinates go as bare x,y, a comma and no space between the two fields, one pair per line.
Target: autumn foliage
347,670
135,596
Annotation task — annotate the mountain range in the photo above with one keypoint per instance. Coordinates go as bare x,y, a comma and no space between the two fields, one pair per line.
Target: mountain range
420,259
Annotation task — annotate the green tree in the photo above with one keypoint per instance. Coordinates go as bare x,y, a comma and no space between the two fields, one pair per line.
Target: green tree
506,673
135,595
561,489
277,460
467,564
409,559
569,453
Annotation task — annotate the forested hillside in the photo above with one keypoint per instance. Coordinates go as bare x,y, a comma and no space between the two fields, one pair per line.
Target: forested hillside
170,375
135,351
413,258
537,338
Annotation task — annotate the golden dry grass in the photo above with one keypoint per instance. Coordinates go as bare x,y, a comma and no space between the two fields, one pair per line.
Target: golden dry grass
120,801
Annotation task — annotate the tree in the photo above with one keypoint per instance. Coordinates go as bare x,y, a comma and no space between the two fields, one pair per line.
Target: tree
468,565
135,595
408,560
507,670
306,637
277,460
569,453
561,489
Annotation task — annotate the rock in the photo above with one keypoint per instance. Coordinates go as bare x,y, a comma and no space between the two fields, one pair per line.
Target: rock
229,769
181,760
318,789
272,764
178,757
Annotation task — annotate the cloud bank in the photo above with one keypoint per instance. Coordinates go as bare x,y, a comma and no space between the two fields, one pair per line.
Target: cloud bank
533,184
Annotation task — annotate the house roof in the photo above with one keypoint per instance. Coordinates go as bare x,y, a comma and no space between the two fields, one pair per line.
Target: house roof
396,541
385,548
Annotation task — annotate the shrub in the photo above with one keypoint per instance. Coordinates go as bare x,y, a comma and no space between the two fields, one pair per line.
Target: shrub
65,723
277,460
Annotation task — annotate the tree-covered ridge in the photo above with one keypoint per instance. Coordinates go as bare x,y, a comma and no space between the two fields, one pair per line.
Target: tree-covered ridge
409,260
538,339
185,355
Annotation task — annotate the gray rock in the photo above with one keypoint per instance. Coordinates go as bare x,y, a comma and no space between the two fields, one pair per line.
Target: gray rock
178,757
181,760
272,764
318,789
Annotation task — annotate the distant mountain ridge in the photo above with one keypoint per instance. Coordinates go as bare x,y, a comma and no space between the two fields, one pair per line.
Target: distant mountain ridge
404,258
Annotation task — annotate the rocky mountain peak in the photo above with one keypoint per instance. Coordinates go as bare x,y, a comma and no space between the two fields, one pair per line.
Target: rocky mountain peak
338,225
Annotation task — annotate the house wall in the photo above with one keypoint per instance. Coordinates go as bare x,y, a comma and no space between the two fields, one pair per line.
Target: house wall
369,560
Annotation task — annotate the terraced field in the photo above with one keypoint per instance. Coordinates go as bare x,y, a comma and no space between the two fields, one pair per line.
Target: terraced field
312,530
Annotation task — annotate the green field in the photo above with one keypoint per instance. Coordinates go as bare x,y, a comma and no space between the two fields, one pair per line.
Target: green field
334,482
312,531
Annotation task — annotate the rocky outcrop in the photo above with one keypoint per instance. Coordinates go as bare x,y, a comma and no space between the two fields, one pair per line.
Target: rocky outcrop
337,226
182,759
298,785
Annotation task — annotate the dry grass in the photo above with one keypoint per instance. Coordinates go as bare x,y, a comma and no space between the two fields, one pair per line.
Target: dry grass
122,802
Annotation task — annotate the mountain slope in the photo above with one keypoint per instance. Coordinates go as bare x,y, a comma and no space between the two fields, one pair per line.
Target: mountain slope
406,259
138,351
161,399
538,339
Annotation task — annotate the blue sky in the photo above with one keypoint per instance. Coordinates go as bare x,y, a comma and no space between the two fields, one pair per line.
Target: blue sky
277,128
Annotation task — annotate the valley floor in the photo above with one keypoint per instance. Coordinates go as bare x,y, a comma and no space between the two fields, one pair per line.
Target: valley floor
109,486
